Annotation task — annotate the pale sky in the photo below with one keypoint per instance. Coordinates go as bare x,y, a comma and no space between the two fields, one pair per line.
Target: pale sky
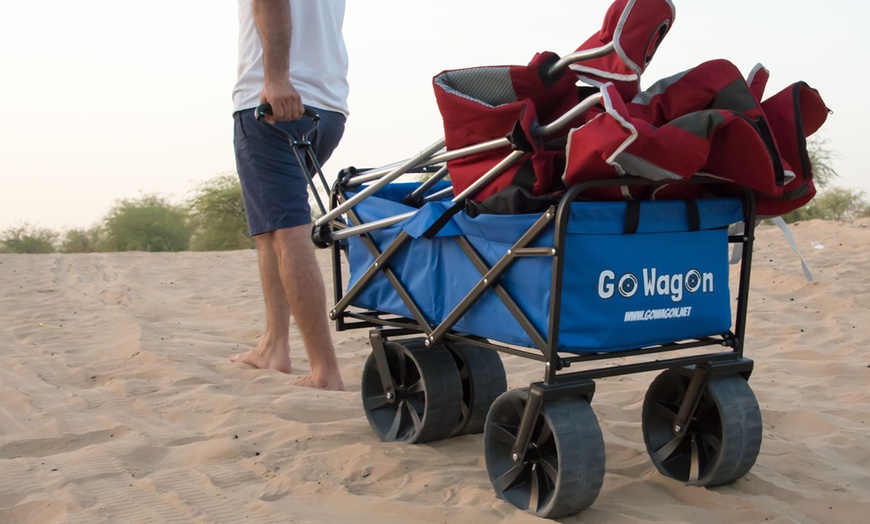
105,100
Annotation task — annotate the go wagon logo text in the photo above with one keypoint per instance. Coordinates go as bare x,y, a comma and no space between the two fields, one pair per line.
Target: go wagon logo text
651,283
654,284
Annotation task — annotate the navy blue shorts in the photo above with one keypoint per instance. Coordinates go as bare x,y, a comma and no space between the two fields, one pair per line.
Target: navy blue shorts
274,186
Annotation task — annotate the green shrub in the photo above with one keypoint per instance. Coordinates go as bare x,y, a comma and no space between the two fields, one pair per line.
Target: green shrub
835,203
217,216
82,240
27,239
146,224
821,157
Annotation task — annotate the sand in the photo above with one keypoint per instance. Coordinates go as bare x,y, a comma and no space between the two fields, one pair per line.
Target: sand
118,404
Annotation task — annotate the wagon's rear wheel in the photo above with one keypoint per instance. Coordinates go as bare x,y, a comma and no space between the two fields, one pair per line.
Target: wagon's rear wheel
483,380
428,393
721,442
563,468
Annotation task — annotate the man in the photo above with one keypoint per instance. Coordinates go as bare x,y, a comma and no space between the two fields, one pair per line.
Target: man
290,52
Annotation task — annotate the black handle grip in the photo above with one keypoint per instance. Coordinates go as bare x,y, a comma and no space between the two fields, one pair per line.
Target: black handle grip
266,109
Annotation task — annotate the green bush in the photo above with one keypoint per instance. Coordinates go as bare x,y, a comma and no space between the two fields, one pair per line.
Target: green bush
821,157
27,239
82,240
146,224
835,203
217,216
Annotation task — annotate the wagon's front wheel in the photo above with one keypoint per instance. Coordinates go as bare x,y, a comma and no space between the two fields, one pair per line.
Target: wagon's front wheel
563,468
426,396
720,443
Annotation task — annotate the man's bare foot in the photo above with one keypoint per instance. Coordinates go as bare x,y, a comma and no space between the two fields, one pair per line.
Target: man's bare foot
279,362
308,381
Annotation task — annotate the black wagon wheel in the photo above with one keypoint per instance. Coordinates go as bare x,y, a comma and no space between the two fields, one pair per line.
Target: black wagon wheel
563,468
481,372
427,398
720,443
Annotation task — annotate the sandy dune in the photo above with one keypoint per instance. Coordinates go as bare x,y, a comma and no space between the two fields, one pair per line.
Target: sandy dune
118,404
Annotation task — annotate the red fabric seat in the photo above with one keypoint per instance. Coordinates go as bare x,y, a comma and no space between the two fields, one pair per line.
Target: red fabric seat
707,120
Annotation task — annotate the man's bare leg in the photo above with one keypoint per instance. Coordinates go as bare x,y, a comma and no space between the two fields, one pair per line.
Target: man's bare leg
273,351
289,255
306,295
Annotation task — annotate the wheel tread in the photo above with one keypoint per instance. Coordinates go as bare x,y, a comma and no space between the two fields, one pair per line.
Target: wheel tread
439,388
574,472
731,400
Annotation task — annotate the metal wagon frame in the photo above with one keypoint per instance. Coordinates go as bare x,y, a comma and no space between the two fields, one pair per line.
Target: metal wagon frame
544,451
424,381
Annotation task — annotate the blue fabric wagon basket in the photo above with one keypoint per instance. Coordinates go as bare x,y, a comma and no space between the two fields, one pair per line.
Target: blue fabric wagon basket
667,281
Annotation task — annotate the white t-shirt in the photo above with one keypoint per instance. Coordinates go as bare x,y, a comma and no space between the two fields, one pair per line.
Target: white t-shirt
318,57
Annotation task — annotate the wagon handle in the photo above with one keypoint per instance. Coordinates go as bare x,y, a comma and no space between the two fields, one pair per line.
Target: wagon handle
266,109
301,147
